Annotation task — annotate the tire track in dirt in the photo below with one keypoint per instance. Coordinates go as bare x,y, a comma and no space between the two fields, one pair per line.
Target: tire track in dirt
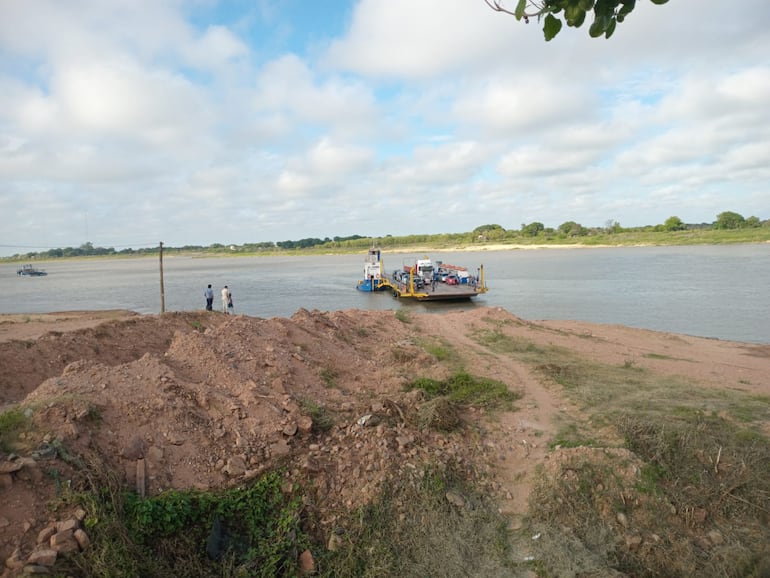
517,442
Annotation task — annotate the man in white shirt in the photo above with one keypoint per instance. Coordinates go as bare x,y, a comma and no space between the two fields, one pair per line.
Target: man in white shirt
225,298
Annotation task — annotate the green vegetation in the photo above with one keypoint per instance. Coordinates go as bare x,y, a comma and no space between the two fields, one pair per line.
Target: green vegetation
403,316
12,423
606,14
729,228
323,420
465,389
253,530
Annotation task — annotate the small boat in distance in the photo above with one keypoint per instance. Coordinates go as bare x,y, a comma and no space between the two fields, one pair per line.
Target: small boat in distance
422,279
30,271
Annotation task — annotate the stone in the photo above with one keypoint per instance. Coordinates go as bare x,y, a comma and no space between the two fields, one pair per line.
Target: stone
36,569
45,534
235,466
280,448
14,561
305,424
716,538
71,524
80,514
82,538
134,449
290,429
155,454
306,563
43,557
64,542
455,499
622,519
7,467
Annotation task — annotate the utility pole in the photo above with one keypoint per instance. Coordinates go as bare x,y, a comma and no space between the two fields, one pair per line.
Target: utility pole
162,291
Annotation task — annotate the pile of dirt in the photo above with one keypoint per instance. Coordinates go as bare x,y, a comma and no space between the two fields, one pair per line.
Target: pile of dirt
206,400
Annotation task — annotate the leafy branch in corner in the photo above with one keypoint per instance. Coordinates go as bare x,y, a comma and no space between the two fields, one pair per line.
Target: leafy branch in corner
607,14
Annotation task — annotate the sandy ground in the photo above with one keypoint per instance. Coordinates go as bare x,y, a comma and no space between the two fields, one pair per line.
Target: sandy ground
209,400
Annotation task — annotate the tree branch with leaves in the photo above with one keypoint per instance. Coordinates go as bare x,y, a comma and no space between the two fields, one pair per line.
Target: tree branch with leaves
607,14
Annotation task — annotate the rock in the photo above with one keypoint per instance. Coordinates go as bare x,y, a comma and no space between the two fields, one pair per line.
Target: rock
6,481
82,539
80,514
43,557
235,466
290,429
305,424
45,534
335,542
633,542
10,467
155,454
622,519
35,569
134,449
306,563
71,524
280,448
716,538
455,499
64,542
14,561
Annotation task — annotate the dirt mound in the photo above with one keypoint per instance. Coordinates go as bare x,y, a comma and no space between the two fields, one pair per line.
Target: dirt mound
205,400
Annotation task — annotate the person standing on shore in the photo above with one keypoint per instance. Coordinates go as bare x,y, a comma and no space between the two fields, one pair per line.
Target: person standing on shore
225,298
209,294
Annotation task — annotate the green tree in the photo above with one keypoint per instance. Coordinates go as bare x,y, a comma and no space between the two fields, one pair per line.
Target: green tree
607,14
571,229
729,220
753,222
674,224
532,229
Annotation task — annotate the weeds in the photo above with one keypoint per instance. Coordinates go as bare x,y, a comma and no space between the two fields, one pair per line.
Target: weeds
329,377
465,389
412,530
323,420
12,423
252,530
403,316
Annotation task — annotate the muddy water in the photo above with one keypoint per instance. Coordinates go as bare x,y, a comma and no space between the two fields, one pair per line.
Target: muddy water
719,292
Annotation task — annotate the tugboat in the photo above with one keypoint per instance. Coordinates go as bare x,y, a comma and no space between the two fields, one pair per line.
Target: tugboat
374,279
423,280
30,271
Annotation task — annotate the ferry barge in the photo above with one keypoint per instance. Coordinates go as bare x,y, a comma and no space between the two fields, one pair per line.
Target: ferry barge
422,279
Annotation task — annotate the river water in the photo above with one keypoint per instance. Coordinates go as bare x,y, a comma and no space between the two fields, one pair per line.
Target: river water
708,291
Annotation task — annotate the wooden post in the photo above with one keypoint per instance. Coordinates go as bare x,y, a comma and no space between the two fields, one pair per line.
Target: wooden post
162,290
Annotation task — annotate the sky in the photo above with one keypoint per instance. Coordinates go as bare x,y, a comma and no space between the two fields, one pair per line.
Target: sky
125,123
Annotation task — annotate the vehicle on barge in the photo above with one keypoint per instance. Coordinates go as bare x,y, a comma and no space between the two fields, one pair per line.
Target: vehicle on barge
30,271
422,279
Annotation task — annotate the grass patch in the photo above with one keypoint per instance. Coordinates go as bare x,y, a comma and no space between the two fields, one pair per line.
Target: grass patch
254,530
329,377
441,350
403,316
465,389
13,422
431,524
323,419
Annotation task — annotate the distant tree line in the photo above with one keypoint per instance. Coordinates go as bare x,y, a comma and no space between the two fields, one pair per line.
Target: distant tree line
727,220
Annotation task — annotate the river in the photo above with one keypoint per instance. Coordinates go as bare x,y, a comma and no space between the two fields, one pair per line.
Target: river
708,291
